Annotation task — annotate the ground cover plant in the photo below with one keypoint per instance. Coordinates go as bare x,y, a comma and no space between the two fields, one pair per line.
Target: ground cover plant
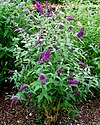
57,58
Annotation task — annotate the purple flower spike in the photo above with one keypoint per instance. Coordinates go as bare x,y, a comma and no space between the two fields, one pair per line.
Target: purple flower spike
69,28
59,71
61,27
44,57
29,94
90,92
80,33
70,18
73,82
76,92
42,78
54,38
21,4
56,47
37,43
81,64
23,87
39,7
43,81
14,99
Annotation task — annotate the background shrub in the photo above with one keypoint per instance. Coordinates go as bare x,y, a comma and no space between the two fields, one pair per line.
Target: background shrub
13,20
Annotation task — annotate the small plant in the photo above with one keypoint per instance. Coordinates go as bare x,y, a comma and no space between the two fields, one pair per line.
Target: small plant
38,118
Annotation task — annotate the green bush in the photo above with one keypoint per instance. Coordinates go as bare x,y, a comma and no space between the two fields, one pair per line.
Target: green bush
52,67
13,20
55,72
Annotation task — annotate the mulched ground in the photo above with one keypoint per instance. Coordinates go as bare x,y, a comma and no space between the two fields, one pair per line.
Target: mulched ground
22,115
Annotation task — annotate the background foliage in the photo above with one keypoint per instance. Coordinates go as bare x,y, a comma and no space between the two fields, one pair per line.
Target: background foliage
12,17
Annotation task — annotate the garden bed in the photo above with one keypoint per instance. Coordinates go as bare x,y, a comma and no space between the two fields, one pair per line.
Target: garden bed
23,115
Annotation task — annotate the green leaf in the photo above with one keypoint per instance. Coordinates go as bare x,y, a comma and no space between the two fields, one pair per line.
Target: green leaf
8,20
2,54
6,32
5,68
37,88
21,96
40,97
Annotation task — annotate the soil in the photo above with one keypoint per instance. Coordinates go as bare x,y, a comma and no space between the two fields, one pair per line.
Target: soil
29,115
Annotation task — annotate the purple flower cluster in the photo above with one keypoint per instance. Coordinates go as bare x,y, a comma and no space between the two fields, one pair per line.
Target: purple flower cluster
42,78
37,43
39,7
14,99
23,87
70,18
56,47
71,80
90,92
76,92
69,28
80,33
61,27
81,64
54,38
29,94
44,56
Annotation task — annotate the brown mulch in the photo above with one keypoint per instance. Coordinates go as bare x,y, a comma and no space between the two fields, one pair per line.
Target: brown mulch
61,5
22,115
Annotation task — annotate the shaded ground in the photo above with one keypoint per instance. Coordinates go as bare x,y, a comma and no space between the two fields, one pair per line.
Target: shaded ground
21,115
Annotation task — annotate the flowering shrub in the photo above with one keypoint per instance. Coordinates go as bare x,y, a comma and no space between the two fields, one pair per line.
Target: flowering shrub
52,69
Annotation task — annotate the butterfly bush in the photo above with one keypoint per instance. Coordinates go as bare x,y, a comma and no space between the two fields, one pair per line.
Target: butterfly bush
54,78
